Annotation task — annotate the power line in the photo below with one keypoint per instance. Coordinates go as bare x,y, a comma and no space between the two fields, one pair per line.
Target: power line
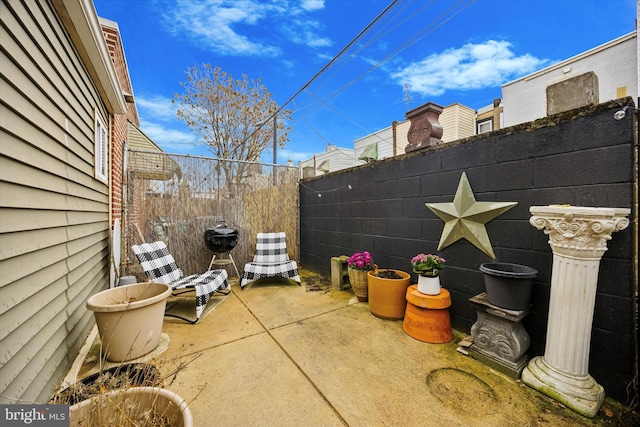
417,36
414,38
335,58
344,116
313,128
376,36
427,29
329,64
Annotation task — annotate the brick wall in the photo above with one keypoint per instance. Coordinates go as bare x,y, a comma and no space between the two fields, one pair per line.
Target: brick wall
583,158
119,123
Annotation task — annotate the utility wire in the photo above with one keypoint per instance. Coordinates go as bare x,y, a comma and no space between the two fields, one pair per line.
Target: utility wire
417,36
333,60
373,39
344,49
313,128
344,116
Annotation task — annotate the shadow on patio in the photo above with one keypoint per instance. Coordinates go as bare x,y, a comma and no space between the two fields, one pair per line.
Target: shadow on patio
285,355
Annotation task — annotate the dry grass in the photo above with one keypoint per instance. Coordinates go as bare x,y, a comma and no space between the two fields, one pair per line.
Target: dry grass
126,394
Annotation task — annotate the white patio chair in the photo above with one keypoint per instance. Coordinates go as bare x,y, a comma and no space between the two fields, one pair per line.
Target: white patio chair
270,260
160,266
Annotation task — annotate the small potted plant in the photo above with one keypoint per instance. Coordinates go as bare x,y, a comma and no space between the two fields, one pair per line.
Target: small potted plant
358,265
428,268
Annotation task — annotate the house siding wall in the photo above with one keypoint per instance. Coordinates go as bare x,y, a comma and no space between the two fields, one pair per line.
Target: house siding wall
457,122
587,161
402,136
54,226
339,158
492,112
384,139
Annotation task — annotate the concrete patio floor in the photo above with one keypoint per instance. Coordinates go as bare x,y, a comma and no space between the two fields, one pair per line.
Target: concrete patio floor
278,354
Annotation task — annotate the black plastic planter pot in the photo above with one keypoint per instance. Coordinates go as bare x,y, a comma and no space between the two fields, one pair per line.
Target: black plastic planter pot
508,285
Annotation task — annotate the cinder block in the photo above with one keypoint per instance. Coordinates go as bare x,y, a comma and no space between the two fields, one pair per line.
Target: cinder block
340,273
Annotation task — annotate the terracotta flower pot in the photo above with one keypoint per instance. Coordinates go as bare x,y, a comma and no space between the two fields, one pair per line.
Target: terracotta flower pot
134,406
387,297
129,319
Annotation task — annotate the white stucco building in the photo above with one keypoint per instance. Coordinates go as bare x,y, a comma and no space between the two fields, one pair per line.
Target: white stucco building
615,64
332,159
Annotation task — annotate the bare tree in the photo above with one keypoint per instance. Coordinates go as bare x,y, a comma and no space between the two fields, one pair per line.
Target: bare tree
232,117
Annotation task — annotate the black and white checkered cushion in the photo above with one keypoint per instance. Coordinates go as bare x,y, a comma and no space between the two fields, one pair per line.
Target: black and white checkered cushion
159,265
271,260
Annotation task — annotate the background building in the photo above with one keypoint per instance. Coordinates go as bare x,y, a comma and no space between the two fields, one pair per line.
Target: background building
606,72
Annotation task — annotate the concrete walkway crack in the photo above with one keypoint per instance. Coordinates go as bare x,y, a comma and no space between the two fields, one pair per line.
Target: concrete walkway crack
304,374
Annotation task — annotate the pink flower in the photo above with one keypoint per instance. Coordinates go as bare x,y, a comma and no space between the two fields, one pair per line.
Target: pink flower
361,261
427,264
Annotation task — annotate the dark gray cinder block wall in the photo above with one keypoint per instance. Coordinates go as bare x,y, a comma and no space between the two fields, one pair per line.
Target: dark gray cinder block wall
584,157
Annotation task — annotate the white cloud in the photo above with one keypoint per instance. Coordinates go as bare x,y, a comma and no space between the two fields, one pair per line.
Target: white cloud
295,156
170,140
288,67
158,107
312,5
159,122
304,32
217,25
473,66
210,24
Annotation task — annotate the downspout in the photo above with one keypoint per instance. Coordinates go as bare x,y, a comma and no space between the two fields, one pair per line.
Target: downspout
394,136
124,220
475,123
113,272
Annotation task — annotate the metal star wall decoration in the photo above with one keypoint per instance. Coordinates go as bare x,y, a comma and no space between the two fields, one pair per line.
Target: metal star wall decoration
465,218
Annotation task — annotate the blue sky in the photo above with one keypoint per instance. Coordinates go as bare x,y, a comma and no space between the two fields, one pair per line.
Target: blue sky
420,51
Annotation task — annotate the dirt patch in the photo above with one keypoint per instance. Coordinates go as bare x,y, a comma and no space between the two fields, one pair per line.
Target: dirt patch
462,391
317,283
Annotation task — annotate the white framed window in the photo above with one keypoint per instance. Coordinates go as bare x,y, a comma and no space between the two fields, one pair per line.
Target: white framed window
485,126
101,149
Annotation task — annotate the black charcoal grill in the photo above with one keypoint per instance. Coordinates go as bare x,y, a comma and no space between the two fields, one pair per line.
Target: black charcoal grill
221,239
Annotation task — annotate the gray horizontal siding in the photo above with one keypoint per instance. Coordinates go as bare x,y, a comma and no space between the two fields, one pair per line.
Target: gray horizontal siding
54,227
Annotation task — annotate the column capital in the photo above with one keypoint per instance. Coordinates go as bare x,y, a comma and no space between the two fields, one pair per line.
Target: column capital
425,130
577,231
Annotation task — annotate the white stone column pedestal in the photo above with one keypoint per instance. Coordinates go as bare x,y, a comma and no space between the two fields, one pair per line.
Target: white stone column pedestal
578,237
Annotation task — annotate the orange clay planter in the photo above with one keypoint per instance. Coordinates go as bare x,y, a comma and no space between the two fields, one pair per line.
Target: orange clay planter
387,297
427,316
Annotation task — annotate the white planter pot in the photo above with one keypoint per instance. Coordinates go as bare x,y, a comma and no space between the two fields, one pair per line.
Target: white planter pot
129,319
429,285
